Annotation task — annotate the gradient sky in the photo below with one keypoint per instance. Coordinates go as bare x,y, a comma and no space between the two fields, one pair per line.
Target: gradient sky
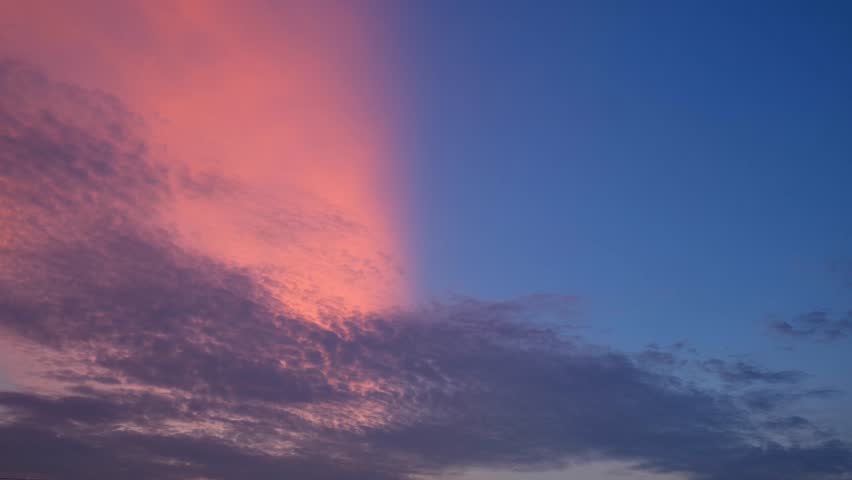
682,168
425,240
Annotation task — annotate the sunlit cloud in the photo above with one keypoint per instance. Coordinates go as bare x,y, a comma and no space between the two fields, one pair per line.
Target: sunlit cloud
279,150
201,276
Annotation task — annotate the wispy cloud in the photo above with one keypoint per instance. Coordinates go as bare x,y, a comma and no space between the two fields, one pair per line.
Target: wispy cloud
740,372
816,325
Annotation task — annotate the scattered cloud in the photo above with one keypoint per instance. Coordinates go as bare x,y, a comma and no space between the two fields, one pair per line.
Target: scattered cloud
816,325
740,372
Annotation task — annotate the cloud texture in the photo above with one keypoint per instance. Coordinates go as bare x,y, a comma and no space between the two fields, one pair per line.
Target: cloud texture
817,325
135,356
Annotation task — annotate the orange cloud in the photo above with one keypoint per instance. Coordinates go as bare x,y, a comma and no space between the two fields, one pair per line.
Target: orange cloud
280,145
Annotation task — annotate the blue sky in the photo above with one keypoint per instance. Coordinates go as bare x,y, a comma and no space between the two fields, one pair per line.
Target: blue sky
681,167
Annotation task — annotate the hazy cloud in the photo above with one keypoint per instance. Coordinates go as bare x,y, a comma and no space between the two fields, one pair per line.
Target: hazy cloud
740,372
817,325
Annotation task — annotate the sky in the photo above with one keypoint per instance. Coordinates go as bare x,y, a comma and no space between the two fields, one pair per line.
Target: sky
425,240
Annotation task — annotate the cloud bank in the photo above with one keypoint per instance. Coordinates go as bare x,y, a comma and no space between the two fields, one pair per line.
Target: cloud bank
134,356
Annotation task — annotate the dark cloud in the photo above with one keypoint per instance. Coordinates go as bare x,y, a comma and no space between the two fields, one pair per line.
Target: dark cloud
788,423
653,356
817,325
38,452
69,154
667,356
156,362
767,400
740,372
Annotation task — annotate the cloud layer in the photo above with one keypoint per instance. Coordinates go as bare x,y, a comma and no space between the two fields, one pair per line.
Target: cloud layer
278,146
816,325
137,357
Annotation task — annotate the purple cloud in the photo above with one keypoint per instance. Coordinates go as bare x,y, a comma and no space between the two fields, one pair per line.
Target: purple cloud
151,361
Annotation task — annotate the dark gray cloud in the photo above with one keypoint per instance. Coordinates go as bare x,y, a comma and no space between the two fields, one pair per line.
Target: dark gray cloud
816,325
39,452
671,356
156,362
766,400
740,372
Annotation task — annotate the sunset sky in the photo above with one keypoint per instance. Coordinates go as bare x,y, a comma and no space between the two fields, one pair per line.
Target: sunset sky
425,240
